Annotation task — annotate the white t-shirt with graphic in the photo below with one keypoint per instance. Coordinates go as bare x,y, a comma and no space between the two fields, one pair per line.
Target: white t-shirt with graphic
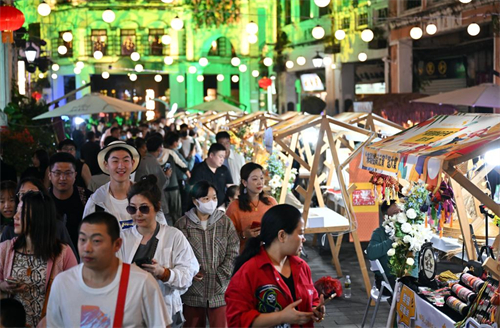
74,304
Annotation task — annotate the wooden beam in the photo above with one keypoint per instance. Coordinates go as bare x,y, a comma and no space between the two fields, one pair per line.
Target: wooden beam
362,263
335,254
288,170
294,155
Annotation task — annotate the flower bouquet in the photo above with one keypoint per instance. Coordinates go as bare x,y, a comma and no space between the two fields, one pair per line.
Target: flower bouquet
276,172
408,231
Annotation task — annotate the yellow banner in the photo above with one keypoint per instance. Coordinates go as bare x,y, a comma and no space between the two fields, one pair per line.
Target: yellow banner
380,160
431,135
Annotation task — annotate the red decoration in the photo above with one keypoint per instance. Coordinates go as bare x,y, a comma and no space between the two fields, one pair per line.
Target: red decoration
36,95
265,83
11,19
328,286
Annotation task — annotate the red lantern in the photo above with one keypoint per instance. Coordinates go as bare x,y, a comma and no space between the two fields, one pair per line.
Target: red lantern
11,19
265,83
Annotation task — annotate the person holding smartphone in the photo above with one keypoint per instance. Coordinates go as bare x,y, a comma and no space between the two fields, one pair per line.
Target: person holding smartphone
157,248
246,212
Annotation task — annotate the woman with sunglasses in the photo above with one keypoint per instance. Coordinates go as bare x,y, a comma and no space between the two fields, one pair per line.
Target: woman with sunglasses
157,248
29,263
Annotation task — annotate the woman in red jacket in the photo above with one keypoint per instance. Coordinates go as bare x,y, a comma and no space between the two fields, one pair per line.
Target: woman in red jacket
271,285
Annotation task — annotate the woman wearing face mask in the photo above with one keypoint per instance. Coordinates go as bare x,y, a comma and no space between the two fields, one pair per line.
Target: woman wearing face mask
157,248
246,212
215,244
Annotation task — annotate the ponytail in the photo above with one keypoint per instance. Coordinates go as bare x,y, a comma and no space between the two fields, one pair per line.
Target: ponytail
280,217
252,248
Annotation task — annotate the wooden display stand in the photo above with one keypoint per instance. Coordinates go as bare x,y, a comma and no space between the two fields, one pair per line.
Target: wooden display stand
211,123
371,122
332,135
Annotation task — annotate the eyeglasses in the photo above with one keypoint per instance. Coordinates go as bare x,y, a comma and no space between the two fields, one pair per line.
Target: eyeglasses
67,174
67,149
20,195
143,208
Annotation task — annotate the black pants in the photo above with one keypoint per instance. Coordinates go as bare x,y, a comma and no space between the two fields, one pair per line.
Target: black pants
378,283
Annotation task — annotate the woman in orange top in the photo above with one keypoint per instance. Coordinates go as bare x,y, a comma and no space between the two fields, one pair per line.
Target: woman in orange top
246,212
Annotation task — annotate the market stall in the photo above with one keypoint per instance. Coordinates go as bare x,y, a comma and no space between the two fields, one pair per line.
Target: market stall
210,123
447,155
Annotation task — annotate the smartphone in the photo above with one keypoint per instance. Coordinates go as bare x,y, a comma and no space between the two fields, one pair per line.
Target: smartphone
255,224
166,167
12,281
141,262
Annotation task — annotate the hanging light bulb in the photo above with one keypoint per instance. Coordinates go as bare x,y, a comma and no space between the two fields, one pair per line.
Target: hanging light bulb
367,35
168,60
268,61
133,77
77,70
362,57
177,23
158,78
301,60
333,66
167,1
340,35
252,38
243,68
235,78
62,50
54,76
255,73
431,29
180,78
289,64
203,62
235,61
192,69
105,75
44,9
318,32
220,77
41,76
55,67
135,56
327,61
80,65
465,1
108,16
139,68
98,54
252,28
67,36
322,3
166,39
473,29
200,78
416,33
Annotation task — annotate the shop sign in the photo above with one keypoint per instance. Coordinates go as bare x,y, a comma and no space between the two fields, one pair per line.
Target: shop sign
406,306
453,68
380,161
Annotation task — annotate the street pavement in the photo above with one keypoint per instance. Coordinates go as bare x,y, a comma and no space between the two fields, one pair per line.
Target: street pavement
348,313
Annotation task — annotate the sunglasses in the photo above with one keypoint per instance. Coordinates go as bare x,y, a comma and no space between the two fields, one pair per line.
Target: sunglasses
143,208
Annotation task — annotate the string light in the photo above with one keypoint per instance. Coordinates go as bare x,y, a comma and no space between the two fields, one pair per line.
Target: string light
67,36
133,77
318,32
105,75
98,55
108,16
235,61
44,9
220,77
473,29
77,70
54,76
431,29
192,69
139,68
135,56
80,65
252,28
255,73
62,50
252,38
55,67
322,3
243,68
416,33
168,60
41,76
235,78
158,78
203,62
327,61
367,35
166,39
340,35
289,64
200,78
362,56
301,60
268,61
177,23
180,78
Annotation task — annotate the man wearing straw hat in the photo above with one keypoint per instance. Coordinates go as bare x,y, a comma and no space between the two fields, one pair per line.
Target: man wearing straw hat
118,160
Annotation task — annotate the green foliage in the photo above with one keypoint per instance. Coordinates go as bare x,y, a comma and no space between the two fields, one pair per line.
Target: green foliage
24,135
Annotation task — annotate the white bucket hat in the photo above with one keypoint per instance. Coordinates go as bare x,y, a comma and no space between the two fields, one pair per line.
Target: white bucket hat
118,144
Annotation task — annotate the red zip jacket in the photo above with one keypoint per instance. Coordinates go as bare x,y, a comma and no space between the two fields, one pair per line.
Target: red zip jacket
257,288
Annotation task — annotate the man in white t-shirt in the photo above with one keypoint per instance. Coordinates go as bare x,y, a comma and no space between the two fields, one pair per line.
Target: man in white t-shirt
86,295
118,160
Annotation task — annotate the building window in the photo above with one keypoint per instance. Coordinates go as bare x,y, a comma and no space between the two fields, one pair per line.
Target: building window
127,41
305,9
99,39
222,47
346,23
288,12
362,20
410,4
155,44
68,45
381,15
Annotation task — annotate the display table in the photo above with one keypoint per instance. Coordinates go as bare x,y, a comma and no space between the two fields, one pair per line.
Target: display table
413,311
325,220
446,244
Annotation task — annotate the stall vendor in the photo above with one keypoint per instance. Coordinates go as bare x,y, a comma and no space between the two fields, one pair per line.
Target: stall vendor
379,244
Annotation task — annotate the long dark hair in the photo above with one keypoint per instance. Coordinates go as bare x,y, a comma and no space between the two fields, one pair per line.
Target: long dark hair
280,217
38,215
148,188
43,158
243,198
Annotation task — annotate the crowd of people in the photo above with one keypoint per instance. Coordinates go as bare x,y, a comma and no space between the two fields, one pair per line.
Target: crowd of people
135,228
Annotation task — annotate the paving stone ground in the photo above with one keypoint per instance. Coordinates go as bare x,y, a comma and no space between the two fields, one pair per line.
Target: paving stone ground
348,313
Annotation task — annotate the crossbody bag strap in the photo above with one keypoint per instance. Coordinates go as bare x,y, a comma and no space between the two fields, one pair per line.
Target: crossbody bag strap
122,294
